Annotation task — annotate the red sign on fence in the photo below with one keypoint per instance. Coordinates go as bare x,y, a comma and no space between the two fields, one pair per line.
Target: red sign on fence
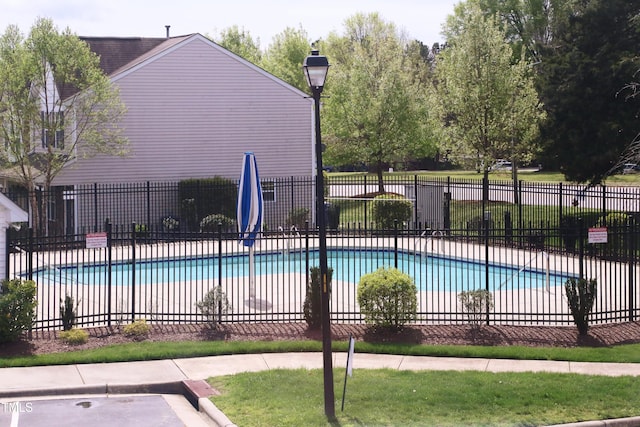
96,240
598,235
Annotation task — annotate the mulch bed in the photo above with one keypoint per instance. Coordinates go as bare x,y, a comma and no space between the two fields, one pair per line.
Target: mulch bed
42,342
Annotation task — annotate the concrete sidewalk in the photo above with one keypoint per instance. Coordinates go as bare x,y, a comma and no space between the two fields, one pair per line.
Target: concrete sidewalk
182,376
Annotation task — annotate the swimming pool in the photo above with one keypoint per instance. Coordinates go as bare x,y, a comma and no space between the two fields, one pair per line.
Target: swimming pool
430,273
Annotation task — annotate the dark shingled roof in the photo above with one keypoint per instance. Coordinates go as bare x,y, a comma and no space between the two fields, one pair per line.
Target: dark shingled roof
115,52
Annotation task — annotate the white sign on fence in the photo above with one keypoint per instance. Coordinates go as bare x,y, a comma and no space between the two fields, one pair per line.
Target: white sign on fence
598,235
96,240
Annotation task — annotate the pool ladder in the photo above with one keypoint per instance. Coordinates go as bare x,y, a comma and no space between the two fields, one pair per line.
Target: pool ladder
436,235
293,232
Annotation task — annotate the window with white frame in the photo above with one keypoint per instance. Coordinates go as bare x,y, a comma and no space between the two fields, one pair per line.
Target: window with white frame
52,129
268,191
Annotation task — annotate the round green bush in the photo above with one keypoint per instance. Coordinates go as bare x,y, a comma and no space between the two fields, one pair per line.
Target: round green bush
390,207
387,298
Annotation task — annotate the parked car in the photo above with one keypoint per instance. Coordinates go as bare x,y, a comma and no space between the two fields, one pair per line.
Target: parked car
630,168
501,165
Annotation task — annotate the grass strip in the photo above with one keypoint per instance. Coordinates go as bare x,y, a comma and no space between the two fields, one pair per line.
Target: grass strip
406,398
145,350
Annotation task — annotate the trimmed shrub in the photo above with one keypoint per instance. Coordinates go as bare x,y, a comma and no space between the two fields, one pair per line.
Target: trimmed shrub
312,303
17,308
475,304
387,298
209,224
616,223
215,195
298,217
214,305
390,207
138,330
74,336
141,230
169,223
581,293
68,312
570,230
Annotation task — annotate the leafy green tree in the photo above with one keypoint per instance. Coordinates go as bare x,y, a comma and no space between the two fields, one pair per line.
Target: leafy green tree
56,105
591,119
240,42
487,105
375,111
530,25
285,55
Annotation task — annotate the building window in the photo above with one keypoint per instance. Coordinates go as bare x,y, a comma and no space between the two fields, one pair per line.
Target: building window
51,206
52,129
268,191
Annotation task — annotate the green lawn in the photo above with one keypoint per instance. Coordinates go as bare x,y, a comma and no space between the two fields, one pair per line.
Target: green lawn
396,398
427,398
527,175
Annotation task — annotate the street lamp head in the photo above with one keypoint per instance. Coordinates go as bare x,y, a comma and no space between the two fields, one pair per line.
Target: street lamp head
315,68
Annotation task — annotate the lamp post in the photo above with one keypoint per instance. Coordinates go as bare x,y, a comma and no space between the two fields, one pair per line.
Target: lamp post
315,70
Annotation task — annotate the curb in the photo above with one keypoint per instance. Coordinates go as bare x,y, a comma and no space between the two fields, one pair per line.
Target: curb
212,411
172,387
617,422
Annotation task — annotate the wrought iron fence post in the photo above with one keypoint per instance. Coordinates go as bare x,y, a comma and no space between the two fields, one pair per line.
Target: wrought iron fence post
149,207
580,248
520,221
306,253
631,229
487,215
604,200
95,206
446,222
7,252
560,206
133,271
107,226
508,227
415,200
220,270
30,257
365,205
395,243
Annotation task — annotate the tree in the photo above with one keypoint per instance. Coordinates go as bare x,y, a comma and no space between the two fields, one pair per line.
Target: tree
56,105
375,111
285,55
240,42
487,105
591,118
529,25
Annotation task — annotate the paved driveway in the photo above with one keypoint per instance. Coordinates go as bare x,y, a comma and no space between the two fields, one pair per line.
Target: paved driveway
99,411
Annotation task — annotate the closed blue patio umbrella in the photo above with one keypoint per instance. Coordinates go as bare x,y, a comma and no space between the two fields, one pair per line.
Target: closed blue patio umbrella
249,211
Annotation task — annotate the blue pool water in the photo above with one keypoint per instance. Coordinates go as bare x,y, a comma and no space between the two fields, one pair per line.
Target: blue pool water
430,273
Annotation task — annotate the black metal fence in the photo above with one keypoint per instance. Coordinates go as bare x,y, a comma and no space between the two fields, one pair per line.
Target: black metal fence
122,273
438,204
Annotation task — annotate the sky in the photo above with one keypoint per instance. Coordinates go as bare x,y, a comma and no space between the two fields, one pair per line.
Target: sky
420,19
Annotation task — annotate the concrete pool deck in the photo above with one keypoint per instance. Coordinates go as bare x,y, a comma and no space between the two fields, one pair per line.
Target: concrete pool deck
281,294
